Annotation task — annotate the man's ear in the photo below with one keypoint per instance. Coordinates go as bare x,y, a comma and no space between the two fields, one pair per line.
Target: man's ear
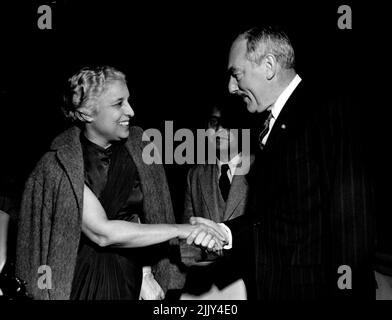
271,65
84,117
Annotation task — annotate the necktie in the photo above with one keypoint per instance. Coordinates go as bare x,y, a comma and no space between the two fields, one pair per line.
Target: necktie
265,129
224,182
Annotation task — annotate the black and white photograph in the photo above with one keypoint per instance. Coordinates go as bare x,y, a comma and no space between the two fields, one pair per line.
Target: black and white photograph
204,155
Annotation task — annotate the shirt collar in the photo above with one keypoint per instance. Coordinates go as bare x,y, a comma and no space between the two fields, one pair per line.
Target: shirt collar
233,163
94,150
277,107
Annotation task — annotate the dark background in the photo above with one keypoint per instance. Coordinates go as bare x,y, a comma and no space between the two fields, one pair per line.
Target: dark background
175,56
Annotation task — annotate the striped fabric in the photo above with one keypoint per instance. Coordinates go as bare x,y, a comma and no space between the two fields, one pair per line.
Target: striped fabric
310,207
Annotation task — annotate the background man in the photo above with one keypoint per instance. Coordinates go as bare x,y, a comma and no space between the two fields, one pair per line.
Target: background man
218,192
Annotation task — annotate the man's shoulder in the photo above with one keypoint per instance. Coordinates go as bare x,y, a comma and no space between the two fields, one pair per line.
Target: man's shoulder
322,93
201,169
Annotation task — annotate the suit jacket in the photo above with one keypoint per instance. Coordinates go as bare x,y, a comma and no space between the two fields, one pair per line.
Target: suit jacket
202,195
310,203
202,200
49,224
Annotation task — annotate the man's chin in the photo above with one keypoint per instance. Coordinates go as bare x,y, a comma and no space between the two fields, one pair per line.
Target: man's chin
251,108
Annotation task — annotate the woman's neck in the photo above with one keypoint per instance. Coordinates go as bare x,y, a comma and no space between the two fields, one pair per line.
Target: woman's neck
94,139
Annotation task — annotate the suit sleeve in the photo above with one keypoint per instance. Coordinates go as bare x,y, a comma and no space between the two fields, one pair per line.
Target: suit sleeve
241,231
190,254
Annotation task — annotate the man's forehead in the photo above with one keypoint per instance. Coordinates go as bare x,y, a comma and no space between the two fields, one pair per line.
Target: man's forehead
215,112
237,53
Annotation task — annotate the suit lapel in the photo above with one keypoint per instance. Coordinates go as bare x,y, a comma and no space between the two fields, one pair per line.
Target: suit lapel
237,193
288,119
209,188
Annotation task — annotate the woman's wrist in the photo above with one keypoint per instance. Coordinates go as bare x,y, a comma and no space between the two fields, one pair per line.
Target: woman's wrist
180,231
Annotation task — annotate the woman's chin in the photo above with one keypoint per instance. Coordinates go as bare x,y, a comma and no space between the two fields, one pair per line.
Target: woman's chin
124,133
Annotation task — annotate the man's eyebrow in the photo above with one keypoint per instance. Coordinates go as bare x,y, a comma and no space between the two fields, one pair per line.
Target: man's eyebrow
233,70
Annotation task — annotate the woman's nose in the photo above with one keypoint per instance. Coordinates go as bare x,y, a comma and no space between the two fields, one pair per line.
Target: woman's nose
128,109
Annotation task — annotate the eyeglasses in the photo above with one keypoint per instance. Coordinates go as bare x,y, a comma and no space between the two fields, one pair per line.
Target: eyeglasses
214,123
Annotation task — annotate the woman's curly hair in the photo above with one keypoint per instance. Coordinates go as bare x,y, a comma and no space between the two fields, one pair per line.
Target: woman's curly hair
85,87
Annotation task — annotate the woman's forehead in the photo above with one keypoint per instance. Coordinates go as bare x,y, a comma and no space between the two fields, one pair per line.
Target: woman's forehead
115,89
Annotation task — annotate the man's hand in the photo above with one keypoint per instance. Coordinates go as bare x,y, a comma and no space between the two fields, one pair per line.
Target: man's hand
204,234
150,290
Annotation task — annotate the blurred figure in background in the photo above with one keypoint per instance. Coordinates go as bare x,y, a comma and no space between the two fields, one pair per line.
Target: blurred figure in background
218,192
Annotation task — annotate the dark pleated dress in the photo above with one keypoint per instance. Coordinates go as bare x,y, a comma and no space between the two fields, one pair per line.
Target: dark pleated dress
109,273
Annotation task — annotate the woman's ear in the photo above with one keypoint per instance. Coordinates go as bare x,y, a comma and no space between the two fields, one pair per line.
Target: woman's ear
84,117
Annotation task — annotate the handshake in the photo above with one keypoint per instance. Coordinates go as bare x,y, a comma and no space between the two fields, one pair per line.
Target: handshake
204,233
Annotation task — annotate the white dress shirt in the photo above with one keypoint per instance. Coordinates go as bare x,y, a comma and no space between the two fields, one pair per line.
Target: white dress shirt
277,107
233,164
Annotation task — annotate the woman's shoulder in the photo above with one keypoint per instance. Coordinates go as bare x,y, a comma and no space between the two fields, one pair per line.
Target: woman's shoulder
46,165
135,131
69,137
137,137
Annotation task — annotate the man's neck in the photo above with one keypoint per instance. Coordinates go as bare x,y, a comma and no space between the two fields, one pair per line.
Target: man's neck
284,78
226,157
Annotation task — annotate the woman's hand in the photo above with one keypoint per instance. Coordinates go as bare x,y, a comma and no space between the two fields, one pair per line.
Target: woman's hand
203,235
150,289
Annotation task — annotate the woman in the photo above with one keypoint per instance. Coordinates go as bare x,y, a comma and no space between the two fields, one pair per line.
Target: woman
79,227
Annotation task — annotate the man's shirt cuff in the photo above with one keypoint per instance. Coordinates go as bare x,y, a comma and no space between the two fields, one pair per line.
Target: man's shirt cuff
228,236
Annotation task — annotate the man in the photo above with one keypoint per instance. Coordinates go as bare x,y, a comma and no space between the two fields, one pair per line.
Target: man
310,202
217,192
